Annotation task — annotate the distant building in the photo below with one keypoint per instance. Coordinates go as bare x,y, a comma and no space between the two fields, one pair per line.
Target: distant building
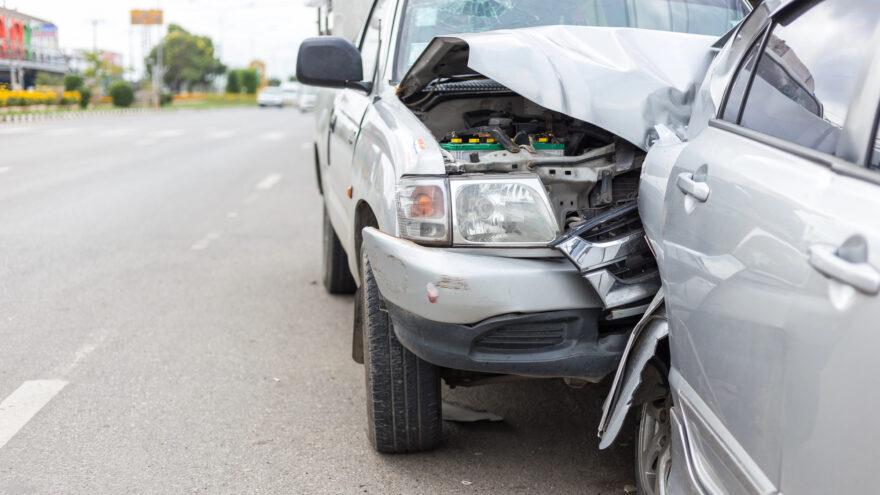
28,45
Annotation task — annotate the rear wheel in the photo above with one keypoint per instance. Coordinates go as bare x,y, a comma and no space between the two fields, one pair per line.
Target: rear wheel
654,447
403,391
337,276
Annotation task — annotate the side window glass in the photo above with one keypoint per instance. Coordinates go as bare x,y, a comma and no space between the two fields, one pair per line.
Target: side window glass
371,40
804,86
741,83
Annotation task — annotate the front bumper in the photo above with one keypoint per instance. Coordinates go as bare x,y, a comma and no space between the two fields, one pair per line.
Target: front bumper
492,314
553,344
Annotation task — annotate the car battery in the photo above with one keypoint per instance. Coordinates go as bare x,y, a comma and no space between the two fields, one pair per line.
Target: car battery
464,150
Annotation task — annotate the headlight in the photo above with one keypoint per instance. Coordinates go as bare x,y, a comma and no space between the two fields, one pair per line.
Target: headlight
501,210
422,214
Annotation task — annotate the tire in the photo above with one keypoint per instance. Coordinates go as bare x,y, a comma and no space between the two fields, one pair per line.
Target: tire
654,447
403,391
337,276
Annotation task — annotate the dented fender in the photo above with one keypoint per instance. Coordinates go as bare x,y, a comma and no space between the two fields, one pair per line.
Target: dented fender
632,384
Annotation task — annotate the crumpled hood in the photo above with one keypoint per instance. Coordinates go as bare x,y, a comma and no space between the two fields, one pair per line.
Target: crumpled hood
624,80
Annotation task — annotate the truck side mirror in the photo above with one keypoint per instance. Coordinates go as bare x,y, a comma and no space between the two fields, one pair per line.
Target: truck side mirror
331,62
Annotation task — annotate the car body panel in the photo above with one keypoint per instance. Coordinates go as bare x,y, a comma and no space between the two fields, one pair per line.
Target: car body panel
625,80
769,355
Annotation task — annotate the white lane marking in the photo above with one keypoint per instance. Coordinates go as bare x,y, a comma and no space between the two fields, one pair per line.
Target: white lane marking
168,133
95,340
144,142
3,170
273,136
251,199
221,134
15,130
306,146
63,131
114,133
23,404
269,182
202,243
232,214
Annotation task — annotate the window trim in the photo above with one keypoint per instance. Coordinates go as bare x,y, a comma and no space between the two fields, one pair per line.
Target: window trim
831,162
762,42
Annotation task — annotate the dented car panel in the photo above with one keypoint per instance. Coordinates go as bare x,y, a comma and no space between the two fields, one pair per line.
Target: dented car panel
623,80
448,286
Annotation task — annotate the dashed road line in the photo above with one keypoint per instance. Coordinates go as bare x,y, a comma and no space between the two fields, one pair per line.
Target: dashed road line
221,134
273,136
203,243
15,130
168,133
144,142
269,182
23,404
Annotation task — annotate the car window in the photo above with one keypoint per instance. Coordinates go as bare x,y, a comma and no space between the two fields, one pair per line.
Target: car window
807,73
370,42
425,19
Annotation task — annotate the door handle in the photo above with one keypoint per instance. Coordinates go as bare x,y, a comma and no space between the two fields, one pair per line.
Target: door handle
333,118
848,264
692,187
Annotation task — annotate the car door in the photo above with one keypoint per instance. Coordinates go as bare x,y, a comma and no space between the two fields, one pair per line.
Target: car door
349,107
746,206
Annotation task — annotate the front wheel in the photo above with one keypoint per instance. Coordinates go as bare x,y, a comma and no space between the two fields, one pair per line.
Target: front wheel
337,276
403,391
654,447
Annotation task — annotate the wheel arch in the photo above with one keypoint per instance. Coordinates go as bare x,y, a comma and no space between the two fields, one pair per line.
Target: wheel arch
363,217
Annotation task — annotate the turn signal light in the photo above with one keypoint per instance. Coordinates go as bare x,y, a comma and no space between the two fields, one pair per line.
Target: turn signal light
427,202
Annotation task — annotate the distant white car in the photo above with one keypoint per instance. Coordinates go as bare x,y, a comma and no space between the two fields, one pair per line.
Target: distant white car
306,99
289,93
271,96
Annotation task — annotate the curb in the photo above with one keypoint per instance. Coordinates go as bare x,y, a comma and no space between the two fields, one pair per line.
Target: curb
41,117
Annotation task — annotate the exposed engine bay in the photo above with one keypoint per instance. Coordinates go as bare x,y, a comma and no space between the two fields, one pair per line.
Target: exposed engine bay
591,176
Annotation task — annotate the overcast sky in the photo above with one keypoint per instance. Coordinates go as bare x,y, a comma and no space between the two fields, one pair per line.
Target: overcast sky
242,30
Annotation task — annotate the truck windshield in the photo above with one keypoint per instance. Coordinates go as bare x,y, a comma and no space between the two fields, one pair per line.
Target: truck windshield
425,19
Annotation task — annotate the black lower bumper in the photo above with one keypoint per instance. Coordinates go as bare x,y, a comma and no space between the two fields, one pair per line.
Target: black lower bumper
553,344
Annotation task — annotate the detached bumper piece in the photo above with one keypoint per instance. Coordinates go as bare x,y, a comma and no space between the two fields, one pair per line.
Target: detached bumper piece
612,254
551,344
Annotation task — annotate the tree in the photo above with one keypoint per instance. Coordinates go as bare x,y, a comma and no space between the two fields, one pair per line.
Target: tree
73,82
100,69
188,59
49,79
233,82
250,79
122,94
274,81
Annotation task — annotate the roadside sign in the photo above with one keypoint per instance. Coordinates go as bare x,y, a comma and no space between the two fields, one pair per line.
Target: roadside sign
146,17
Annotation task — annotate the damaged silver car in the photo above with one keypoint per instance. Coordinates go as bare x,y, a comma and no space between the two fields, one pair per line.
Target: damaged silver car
448,164
751,370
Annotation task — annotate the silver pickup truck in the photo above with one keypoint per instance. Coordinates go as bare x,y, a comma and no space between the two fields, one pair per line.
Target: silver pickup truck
443,187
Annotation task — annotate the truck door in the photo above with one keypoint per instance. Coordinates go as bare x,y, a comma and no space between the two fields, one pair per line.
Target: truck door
349,108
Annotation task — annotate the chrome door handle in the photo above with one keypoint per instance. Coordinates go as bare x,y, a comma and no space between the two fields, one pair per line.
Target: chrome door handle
698,189
827,261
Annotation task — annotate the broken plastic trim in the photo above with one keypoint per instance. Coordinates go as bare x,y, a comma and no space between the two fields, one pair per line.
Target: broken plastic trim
602,249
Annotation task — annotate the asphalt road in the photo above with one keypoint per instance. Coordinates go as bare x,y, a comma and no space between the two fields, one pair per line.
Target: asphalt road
163,329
